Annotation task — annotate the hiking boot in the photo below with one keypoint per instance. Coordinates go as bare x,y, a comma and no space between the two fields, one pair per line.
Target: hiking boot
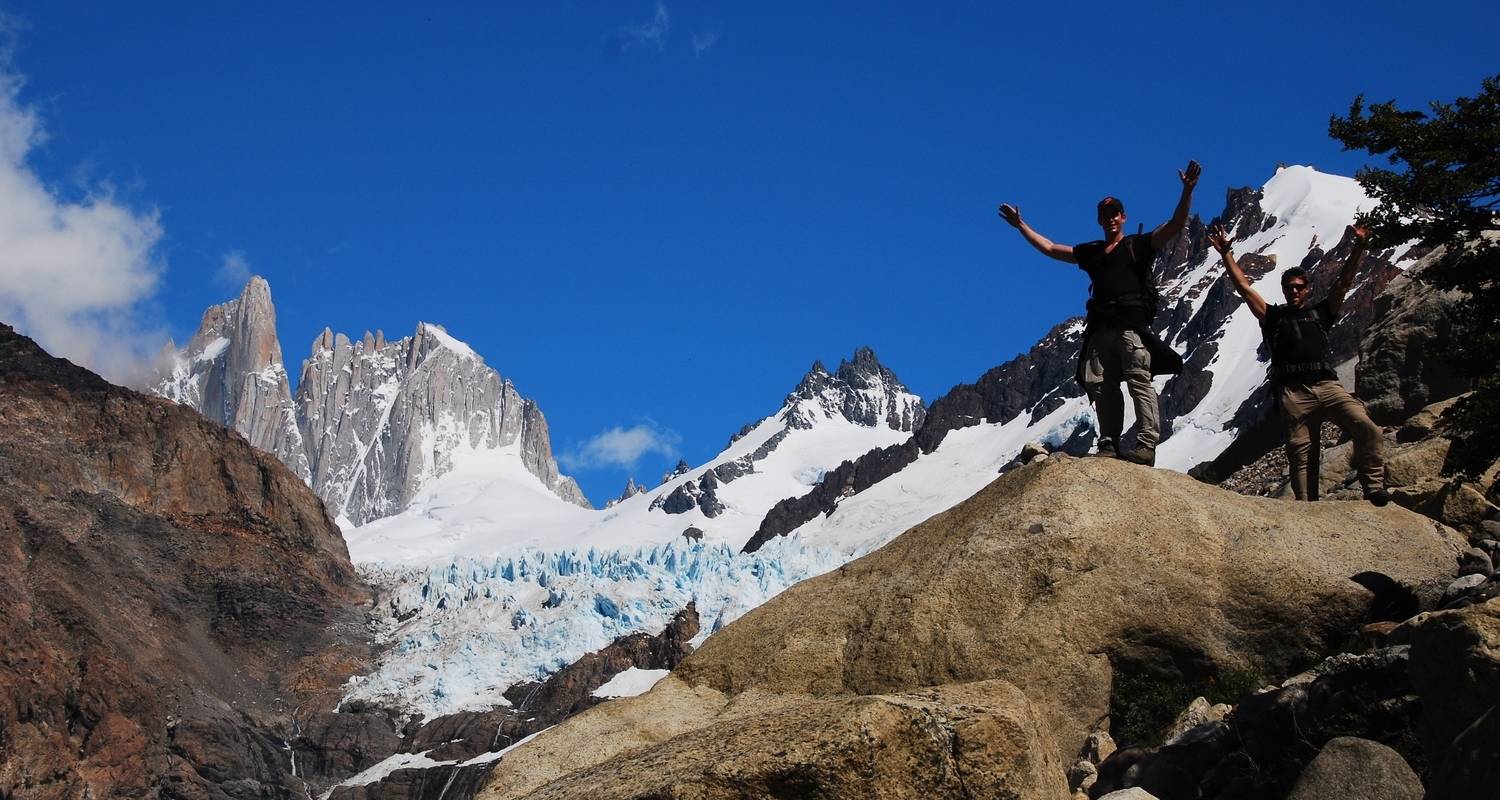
1141,455
1106,450
1378,497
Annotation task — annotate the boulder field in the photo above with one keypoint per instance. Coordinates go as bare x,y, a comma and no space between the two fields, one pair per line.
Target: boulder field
976,653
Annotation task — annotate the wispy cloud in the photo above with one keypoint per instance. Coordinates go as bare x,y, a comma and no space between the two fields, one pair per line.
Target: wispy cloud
73,273
703,42
235,271
646,36
621,447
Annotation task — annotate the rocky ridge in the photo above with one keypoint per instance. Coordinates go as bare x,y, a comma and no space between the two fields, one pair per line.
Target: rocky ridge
372,420
863,392
383,418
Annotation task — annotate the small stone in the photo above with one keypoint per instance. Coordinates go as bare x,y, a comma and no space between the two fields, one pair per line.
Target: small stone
1376,634
1475,561
1133,793
1031,451
1491,527
1082,775
1463,584
1197,713
1098,746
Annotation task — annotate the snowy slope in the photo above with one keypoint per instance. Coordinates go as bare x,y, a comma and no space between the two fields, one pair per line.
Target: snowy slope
496,581
1307,209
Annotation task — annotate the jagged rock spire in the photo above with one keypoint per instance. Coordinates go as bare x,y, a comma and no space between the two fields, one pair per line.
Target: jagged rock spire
231,372
863,391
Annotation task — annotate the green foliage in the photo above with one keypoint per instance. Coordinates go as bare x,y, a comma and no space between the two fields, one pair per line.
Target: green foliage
1142,706
1445,192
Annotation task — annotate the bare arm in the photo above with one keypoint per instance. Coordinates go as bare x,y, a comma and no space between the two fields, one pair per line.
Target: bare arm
1173,226
1061,252
1219,238
1351,268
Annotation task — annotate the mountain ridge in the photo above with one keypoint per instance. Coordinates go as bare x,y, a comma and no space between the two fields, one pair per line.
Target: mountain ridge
371,420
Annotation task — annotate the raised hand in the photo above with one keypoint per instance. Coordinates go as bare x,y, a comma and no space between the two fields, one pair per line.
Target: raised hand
1361,235
1189,177
1219,238
1011,214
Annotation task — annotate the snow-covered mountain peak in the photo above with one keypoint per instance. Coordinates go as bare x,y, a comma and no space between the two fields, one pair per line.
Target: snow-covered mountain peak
430,337
863,391
1304,197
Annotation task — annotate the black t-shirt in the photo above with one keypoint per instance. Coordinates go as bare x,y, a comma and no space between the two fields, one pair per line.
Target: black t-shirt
1119,279
1298,340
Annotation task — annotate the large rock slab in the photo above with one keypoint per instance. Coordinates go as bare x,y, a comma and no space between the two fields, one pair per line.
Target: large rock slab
972,740
1402,356
1057,579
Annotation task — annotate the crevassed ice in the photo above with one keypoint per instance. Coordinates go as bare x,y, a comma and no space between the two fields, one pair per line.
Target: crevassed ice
474,627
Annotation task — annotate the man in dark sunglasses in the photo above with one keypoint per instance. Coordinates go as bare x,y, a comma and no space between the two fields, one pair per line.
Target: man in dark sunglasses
1302,374
1118,345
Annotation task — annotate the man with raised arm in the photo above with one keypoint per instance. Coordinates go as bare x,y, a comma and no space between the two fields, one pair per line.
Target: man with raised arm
1302,373
1117,342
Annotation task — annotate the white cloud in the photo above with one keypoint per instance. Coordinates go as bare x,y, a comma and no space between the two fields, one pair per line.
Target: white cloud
621,447
650,35
235,271
73,274
702,42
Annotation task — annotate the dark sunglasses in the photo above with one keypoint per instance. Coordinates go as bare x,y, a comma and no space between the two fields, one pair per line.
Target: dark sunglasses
1296,287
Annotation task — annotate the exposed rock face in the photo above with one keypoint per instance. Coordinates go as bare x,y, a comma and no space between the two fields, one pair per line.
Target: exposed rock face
962,741
862,391
1057,579
383,418
231,372
631,490
1402,366
169,596
372,420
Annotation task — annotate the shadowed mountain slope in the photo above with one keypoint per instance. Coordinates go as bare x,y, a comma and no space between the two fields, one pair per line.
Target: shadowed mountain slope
169,596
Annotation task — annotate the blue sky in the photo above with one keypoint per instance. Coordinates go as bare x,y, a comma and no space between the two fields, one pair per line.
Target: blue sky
653,217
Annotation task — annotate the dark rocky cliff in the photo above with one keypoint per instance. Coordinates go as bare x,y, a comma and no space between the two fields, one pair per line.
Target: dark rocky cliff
170,597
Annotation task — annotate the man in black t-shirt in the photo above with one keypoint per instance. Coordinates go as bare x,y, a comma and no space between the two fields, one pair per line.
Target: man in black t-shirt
1118,345
1302,375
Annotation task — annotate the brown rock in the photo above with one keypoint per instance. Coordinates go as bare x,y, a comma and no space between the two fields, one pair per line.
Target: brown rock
1406,465
169,595
1135,569
973,740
